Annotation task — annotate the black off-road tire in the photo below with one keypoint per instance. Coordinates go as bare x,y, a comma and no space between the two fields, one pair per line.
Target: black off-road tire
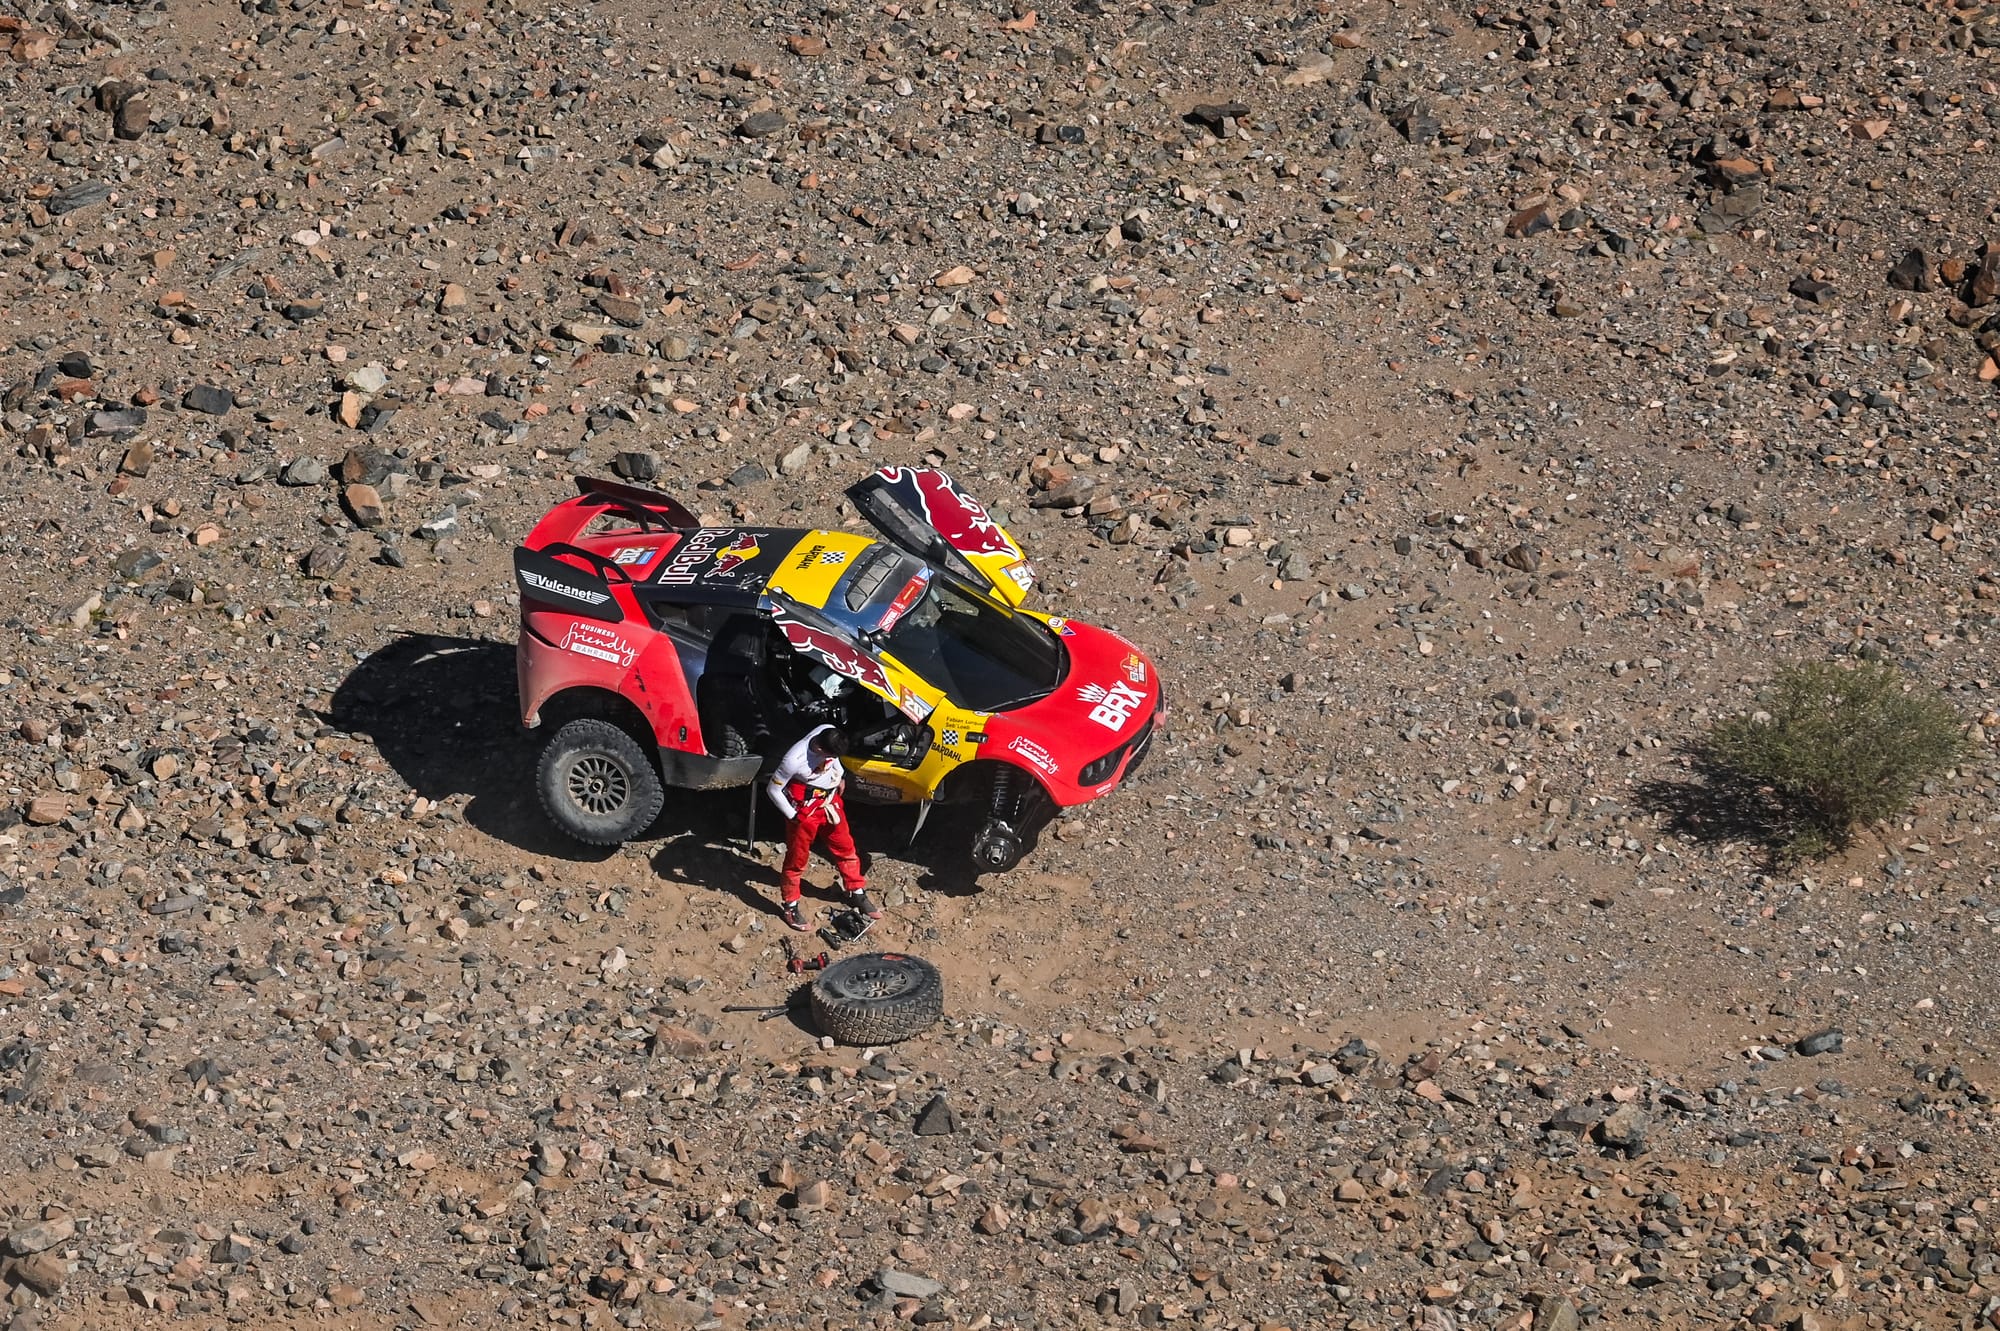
877,998
597,784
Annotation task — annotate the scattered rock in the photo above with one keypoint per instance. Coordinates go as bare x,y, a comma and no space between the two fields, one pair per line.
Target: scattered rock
209,400
905,1285
1531,221
640,465
1219,118
1913,273
81,195
325,559
45,1273
41,1236
364,505
937,1119
303,471
1624,1129
1556,1313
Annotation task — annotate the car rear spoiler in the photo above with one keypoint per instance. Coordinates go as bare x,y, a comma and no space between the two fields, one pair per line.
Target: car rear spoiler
543,577
634,501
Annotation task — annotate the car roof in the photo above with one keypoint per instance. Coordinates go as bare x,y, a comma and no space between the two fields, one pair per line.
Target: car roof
733,566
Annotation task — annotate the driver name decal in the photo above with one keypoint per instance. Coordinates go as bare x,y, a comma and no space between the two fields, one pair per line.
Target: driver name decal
1115,703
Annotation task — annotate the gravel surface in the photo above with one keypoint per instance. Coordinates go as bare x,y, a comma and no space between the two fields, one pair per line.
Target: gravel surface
1465,404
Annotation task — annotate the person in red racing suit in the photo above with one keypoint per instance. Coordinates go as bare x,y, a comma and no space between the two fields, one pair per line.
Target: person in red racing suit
806,788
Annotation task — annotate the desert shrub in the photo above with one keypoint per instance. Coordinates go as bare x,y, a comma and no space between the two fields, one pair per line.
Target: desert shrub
1838,747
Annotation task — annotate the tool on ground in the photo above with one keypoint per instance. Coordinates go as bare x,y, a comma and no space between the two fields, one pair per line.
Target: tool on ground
845,926
800,965
764,1011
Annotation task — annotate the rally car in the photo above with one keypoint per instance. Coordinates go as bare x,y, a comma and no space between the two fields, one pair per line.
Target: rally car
660,652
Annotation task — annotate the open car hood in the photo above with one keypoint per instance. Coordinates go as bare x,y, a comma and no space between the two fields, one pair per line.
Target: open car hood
925,512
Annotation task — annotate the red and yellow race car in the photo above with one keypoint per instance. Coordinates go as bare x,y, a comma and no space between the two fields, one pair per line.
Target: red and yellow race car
659,652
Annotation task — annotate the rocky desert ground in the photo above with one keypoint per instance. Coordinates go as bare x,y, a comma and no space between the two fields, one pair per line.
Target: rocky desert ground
1466,403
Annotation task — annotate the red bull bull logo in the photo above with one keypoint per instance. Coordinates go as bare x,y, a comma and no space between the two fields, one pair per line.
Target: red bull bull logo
734,555
707,553
960,519
836,654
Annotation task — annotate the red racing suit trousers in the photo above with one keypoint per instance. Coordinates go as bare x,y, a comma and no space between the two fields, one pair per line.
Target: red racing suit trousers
819,817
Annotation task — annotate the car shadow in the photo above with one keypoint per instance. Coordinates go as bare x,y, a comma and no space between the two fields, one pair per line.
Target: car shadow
441,712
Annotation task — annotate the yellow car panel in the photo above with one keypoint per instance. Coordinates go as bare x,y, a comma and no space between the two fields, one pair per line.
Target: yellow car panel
816,563
1010,573
953,741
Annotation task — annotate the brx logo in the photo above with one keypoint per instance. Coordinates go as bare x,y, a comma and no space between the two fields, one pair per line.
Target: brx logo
1115,703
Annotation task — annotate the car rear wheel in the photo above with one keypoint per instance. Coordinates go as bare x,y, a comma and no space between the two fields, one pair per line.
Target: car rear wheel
597,784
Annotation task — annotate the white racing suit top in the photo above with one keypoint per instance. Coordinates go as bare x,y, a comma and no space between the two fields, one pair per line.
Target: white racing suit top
797,781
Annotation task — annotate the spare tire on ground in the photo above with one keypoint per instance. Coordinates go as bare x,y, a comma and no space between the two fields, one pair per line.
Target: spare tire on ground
877,998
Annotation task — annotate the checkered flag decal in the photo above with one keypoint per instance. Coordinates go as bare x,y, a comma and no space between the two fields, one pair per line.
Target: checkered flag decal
833,556
949,738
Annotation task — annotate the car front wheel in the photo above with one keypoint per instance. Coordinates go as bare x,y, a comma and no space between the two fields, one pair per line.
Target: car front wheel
597,784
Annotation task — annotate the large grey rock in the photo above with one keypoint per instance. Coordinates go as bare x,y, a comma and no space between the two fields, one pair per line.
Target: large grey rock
904,1285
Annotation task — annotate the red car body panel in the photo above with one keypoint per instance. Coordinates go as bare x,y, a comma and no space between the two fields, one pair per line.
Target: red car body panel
1058,737
561,651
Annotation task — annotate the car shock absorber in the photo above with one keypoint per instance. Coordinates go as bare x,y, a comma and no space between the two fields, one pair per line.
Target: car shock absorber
998,845
1001,803
1016,808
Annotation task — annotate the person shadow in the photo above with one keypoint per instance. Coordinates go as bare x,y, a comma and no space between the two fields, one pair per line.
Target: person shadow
716,852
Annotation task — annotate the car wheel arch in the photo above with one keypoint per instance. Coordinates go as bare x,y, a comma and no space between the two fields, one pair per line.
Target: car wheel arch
973,779
590,700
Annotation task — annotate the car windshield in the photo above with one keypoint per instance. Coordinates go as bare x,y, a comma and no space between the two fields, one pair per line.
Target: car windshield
983,657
